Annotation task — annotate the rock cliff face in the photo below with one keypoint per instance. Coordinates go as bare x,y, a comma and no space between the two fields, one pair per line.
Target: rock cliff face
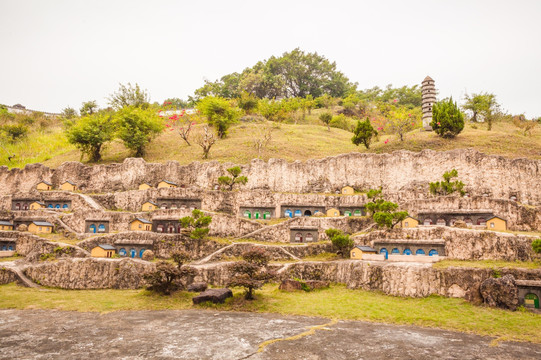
462,244
401,171
90,273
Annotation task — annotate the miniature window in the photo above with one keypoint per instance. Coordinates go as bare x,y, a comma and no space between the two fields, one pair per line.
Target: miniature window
427,222
420,252
247,214
298,213
288,213
347,213
358,213
492,225
406,224
433,252
395,251
309,237
298,237
101,228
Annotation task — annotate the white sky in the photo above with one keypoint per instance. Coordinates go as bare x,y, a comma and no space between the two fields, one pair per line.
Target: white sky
60,53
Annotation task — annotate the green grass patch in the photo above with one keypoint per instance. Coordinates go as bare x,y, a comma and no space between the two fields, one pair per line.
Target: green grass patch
324,256
488,264
337,302
10,258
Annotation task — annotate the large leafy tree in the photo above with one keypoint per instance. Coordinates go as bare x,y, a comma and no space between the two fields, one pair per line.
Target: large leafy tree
219,112
129,95
136,127
90,133
447,119
294,74
482,105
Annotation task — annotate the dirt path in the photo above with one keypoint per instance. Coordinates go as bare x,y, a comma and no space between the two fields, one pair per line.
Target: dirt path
195,334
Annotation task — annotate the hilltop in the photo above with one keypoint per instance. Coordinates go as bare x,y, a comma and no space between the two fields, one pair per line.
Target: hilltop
306,140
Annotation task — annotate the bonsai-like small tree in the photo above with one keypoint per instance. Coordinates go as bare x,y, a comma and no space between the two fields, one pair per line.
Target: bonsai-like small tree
341,242
447,119
326,117
363,133
197,224
168,278
251,273
447,186
227,182
383,212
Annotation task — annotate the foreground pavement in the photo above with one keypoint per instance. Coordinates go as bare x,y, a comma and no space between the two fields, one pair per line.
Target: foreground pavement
200,334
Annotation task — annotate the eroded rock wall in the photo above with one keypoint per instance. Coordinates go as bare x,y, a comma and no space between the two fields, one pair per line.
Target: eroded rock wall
401,171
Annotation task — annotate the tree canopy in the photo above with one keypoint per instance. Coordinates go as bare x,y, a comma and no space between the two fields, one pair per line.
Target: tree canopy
294,74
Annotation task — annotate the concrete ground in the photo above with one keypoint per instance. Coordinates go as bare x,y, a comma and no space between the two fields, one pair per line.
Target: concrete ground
200,334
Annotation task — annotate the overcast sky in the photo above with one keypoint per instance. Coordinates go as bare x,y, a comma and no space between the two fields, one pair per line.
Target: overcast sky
60,53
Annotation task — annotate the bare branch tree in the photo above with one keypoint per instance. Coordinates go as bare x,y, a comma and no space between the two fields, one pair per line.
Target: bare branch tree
262,138
206,140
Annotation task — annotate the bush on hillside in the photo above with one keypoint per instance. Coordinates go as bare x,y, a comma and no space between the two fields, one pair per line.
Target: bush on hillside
447,119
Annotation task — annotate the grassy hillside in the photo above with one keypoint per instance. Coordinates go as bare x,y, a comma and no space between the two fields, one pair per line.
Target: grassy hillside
304,141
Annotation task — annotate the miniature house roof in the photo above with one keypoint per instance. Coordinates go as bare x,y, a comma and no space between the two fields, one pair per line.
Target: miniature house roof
42,223
388,242
45,182
151,202
365,248
411,217
134,242
106,247
69,182
144,221
496,217
5,222
145,183
39,202
169,182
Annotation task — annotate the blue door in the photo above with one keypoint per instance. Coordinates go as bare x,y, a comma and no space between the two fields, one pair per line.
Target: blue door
10,247
57,206
407,252
384,252
298,213
395,251
65,206
141,253
432,253
420,252
50,206
101,228
92,228
122,252
288,213
132,253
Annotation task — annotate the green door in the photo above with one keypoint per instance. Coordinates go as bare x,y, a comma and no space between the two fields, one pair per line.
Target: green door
531,300
257,215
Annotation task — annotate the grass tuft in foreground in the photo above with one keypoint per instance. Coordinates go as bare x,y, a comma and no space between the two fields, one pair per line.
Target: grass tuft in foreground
337,302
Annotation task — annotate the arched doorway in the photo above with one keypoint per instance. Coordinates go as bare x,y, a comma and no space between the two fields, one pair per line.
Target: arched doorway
101,228
441,222
347,213
122,252
384,252
298,213
170,228
257,215
358,213
468,221
407,252
266,215
309,237
247,214
420,252
92,228
433,252
132,253
57,206
395,251
65,206
288,213
427,222
531,300
482,222
159,228
307,213
17,206
141,252
298,237
50,206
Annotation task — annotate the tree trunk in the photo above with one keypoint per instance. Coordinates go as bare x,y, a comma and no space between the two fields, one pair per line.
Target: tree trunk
95,156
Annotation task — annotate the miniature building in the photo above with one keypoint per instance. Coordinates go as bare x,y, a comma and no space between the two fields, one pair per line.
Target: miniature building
251,212
133,248
357,252
6,225
44,185
149,206
22,204
351,211
68,186
144,186
302,234
428,90
410,247
409,222
179,203
40,227
37,205
449,217
63,205
167,184
106,251
168,226
529,292
97,226
347,190
140,224
496,223
300,210
333,212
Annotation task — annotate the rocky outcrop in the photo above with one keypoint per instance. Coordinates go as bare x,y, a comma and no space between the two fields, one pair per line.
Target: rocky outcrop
400,171
213,295
500,292
90,273
7,275
462,244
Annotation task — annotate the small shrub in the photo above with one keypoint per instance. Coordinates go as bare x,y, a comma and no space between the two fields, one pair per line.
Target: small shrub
363,133
536,246
447,119
15,132
148,255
